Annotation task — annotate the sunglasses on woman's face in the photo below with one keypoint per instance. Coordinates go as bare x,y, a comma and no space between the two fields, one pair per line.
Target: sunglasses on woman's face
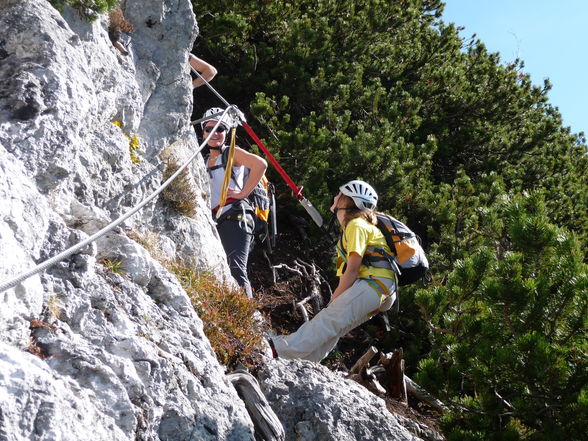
219,129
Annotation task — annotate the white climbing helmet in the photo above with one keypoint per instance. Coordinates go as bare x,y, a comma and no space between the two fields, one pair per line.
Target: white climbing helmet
230,119
362,193
213,111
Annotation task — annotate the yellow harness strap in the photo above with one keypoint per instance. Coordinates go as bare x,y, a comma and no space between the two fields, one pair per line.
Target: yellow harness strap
227,177
380,289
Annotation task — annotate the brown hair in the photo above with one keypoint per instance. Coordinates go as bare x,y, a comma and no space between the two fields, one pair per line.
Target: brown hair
354,212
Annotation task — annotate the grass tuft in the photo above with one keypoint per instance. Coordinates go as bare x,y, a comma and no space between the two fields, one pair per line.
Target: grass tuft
114,266
53,306
181,194
150,241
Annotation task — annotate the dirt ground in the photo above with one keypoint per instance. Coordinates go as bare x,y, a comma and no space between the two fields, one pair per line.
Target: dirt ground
277,298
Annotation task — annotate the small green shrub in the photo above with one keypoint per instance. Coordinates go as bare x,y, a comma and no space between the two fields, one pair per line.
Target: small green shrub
89,9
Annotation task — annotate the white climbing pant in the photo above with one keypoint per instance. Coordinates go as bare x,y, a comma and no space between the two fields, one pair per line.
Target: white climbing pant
316,338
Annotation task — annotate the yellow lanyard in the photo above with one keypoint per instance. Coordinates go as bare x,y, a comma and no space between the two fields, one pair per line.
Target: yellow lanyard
227,177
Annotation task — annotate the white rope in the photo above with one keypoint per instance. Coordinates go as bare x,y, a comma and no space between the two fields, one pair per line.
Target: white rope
72,250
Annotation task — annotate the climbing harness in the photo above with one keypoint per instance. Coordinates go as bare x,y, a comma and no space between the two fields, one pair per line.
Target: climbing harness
382,292
261,201
242,220
75,248
380,289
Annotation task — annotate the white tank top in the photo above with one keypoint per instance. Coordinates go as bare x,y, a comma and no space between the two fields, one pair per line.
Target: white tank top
216,180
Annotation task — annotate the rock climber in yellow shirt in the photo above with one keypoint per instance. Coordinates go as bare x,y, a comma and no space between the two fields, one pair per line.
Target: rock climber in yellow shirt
366,285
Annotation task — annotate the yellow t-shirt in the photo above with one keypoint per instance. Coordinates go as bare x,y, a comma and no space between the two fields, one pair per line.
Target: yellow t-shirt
358,235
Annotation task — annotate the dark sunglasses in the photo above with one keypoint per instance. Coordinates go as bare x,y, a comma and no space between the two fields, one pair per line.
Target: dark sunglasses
219,129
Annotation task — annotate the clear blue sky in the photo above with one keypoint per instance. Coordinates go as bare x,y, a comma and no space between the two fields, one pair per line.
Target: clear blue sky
550,36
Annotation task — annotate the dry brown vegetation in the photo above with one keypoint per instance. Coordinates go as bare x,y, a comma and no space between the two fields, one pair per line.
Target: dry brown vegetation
181,193
118,22
227,314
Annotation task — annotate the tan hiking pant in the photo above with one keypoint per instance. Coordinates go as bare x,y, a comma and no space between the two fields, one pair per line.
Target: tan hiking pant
317,337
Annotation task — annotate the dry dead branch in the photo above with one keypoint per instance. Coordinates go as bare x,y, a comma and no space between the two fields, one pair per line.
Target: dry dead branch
360,365
373,382
367,376
310,273
387,377
394,365
289,268
314,276
423,395
300,306
266,423
439,330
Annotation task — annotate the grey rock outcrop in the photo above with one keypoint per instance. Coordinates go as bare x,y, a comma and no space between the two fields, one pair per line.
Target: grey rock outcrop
124,356
327,407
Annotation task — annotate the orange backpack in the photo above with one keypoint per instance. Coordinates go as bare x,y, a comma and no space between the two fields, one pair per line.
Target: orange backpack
408,254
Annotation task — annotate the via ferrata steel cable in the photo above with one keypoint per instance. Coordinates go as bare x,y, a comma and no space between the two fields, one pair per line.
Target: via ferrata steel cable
75,248
226,103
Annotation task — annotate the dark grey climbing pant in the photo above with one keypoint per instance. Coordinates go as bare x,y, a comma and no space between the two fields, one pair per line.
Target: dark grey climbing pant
236,236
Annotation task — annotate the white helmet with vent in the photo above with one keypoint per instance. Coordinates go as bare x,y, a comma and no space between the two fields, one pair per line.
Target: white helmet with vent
215,111
230,119
362,193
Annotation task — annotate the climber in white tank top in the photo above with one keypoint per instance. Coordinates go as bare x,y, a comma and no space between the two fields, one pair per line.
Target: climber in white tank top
234,226
217,175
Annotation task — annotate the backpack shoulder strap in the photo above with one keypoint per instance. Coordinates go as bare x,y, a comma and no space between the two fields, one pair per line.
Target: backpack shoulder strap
225,156
223,163
341,246
342,252
387,224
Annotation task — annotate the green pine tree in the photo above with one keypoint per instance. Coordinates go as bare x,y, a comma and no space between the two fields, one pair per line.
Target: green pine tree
454,141
509,331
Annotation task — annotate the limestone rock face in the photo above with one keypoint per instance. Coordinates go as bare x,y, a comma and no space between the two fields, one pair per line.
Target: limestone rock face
66,90
118,356
47,403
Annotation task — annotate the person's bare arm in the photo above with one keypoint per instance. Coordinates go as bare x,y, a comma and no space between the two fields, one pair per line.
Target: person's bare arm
349,276
256,166
208,71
